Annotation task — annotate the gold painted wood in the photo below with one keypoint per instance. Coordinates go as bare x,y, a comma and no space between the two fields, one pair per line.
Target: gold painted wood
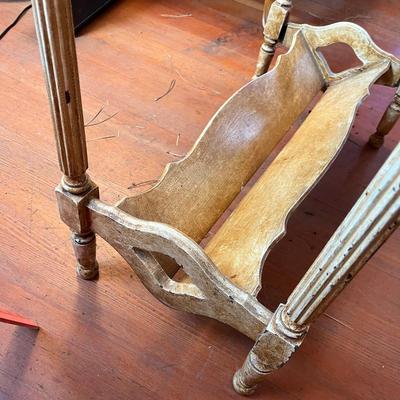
275,17
353,35
170,219
53,21
373,218
264,211
387,122
211,294
194,192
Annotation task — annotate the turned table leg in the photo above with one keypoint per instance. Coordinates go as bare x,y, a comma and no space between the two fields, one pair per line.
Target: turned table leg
277,17
85,253
54,27
387,122
273,348
369,223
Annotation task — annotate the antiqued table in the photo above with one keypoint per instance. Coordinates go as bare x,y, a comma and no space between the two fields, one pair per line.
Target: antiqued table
158,231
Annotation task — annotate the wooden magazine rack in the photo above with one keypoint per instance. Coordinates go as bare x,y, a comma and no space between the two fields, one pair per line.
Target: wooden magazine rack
157,232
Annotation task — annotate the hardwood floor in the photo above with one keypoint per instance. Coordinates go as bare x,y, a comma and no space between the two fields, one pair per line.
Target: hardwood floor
110,339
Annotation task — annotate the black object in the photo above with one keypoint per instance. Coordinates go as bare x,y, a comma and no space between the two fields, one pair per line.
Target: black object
84,10
15,22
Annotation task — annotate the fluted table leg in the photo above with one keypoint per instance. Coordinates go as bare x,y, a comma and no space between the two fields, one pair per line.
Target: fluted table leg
54,27
369,223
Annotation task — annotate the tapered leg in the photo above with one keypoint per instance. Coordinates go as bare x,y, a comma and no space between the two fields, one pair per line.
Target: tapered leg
265,56
54,27
247,378
370,222
273,348
387,122
85,253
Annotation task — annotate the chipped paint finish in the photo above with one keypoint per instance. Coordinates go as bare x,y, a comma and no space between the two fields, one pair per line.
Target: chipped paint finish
272,349
370,222
143,227
353,35
374,216
53,21
238,129
210,294
264,211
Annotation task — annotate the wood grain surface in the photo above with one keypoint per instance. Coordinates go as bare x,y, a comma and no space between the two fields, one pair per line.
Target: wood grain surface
110,339
264,211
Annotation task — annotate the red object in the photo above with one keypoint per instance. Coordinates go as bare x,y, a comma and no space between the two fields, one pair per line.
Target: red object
9,318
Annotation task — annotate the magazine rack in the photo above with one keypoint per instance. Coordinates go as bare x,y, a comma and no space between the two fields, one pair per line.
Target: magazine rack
158,232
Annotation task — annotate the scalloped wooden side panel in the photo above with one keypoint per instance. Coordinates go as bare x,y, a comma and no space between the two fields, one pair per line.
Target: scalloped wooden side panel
194,192
241,245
